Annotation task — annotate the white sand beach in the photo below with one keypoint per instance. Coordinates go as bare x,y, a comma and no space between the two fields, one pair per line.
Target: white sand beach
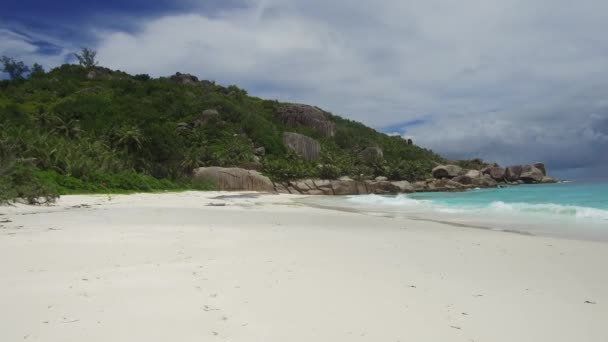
169,267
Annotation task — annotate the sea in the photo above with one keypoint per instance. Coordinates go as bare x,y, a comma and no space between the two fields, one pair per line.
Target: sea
576,210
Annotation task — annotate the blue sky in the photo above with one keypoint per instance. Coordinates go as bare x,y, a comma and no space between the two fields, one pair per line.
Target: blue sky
509,81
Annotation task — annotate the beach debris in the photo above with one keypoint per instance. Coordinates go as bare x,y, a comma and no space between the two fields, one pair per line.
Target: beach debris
455,327
590,302
72,321
216,204
5,221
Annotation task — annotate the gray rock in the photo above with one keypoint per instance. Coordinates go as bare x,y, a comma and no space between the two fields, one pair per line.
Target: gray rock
235,179
541,166
512,173
315,192
322,183
308,148
420,186
371,154
404,186
548,180
299,114
184,78
473,173
300,186
260,151
381,179
497,173
345,187
531,174
380,187
447,171
464,179
208,115
280,188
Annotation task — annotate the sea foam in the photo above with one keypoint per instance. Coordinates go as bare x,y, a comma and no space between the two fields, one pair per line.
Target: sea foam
550,208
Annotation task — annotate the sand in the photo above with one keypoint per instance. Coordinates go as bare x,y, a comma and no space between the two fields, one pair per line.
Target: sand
169,267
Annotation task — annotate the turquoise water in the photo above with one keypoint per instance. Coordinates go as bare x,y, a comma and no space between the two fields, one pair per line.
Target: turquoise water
583,200
572,210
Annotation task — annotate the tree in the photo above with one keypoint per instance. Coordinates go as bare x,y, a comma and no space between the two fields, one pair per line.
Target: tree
130,138
37,70
13,68
86,58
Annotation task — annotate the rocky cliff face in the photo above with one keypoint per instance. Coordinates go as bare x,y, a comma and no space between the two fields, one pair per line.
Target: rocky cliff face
308,148
298,114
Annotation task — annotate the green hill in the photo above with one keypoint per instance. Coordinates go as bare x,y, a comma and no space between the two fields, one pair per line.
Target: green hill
90,130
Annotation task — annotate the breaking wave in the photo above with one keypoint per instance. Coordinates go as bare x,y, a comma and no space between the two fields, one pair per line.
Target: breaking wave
406,203
549,208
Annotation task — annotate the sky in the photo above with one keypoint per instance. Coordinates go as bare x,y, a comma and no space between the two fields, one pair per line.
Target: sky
512,81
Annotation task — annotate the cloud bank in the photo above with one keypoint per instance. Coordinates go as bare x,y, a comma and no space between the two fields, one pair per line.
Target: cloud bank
511,81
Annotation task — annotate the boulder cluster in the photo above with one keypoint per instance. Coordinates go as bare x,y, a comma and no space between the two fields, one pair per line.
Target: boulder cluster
238,179
446,177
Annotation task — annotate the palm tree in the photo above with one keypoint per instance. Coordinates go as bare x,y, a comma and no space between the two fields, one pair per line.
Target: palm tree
69,129
193,158
129,138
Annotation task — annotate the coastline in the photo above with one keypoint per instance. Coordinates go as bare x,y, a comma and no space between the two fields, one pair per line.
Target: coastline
194,266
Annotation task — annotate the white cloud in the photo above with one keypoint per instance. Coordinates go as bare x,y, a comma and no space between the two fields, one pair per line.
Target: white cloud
22,46
510,80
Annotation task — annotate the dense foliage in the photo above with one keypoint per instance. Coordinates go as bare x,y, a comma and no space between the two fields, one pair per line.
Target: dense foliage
91,129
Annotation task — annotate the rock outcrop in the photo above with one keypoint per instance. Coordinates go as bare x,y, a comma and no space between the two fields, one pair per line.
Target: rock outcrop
183,78
512,173
447,171
497,173
371,154
308,148
308,116
531,174
208,115
235,179
241,179
541,166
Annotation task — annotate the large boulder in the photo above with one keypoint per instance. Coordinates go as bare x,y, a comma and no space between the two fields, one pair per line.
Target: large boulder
384,187
531,174
308,148
447,171
512,173
420,186
308,116
235,179
540,166
497,173
208,115
473,173
404,186
464,179
548,180
345,186
371,154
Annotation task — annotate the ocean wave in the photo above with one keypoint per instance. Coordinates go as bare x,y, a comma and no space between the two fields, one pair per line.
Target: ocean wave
549,208
378,200
407,204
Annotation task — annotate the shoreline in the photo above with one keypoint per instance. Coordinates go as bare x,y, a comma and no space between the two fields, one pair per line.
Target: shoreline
194,266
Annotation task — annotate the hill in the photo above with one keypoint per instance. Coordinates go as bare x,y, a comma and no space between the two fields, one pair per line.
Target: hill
76,129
